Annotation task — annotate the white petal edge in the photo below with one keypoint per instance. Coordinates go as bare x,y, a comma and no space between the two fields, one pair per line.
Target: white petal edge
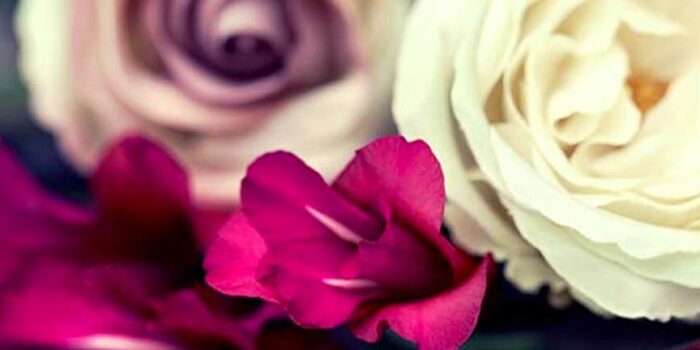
602,282
638,239
42,28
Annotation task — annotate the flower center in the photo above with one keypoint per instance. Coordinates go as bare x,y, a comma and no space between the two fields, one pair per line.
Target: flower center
646,91
252,57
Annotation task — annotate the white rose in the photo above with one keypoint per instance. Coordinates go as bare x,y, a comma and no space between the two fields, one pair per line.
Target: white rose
218,82
569,132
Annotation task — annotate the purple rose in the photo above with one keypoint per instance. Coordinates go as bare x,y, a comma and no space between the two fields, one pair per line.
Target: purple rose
218,82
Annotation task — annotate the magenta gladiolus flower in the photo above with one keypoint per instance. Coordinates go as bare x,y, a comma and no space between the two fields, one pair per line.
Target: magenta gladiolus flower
123,274
366,251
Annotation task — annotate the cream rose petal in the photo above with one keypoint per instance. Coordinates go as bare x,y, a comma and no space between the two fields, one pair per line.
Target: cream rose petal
463,95
656,51
53,39
681,268
638,239
524,264
50,77
607,284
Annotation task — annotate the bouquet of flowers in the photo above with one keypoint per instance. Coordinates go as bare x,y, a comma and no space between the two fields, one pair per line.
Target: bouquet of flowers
319,174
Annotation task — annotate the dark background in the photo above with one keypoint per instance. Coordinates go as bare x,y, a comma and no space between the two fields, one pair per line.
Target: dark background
510,320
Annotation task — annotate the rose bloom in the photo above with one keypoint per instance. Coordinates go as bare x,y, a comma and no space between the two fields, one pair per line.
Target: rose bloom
219,82
569,133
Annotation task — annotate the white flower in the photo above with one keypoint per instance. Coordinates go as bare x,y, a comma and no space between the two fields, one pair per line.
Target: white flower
569,131
218,82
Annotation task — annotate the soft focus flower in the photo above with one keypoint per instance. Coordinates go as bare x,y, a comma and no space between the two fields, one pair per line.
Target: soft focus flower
366,251
123,274
218,82
569,134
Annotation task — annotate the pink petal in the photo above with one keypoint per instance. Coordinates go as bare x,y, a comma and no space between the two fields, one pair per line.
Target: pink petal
33,221
145,211
236,265
233,258
58,301
23,203
311,234
199,318
402,180
294,338
403,175
138,183
189,319
405,263
208,221
305,224
311,302
40,317
442,322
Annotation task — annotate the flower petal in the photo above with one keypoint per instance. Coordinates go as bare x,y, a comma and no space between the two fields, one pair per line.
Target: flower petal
23,201
305,224
312,302
208,220
581,268
405,263
32,221
138,182
38,316
233,258
144,205
289,337
439,323
405,175
635,238
197,318
58,301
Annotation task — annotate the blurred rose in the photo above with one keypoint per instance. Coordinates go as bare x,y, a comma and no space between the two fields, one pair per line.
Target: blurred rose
219,82
569,132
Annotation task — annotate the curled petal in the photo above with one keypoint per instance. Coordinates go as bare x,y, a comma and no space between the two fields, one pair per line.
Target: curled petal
139,182
405,263
237,265
442,322
305,224
405,175
198,319
144,205
233,258
57,301
313,302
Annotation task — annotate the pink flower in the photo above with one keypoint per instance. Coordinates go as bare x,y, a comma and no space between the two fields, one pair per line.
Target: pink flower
366,251
124,273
